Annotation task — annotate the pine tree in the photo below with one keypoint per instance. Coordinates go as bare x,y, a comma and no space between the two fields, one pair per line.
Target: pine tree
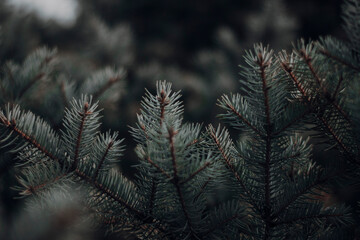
274,187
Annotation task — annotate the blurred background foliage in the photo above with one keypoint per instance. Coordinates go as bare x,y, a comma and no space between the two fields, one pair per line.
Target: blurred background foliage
196,45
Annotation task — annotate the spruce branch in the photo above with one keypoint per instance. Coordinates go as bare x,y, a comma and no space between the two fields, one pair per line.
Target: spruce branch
240,116
33,180
109,193
337,139
23,125
337,59
31,83
267,216
104,84
152,196
158,168
34,184
231,220
81,124
176,180
97,170
19,79
326,94
203,187
226,158
308,60
309,99
108,85
268,158
312,217
275,190
196,173
289,70
295,120
337,89
320,180
84,114
227,103
163,102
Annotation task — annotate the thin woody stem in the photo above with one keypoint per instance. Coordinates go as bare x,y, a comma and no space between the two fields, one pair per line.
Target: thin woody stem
265,88
322,119
176,181
326,53
196,173
243,119
106,86
110,144
28,138
231,168
327,95
79,137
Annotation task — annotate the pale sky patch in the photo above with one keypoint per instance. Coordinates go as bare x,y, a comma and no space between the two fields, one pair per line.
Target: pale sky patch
63,11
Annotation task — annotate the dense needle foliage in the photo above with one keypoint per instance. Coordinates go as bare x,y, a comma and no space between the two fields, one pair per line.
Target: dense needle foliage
271,186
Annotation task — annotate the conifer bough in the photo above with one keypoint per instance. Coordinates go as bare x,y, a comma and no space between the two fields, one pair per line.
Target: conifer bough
275,189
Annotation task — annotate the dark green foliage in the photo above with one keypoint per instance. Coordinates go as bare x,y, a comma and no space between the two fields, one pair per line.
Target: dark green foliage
273,166
272,186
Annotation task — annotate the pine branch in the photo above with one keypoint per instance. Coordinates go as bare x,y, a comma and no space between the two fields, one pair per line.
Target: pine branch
337,89
227,161
291,157
78,141
163,102
267,216
176,180
302,91
104,82
203,188
289,71
82,175
109,193
107,86
305,190
36,78
337,139
232,168
30,84
35,144
28,138
193,143
34,189
243,119
152,196
148,159
97,170
196,173
326,94
158,167
308,62
337,59
142,217
293,121
313,217
224,222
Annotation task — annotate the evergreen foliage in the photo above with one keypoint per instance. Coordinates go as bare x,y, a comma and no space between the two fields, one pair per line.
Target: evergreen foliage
274,188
